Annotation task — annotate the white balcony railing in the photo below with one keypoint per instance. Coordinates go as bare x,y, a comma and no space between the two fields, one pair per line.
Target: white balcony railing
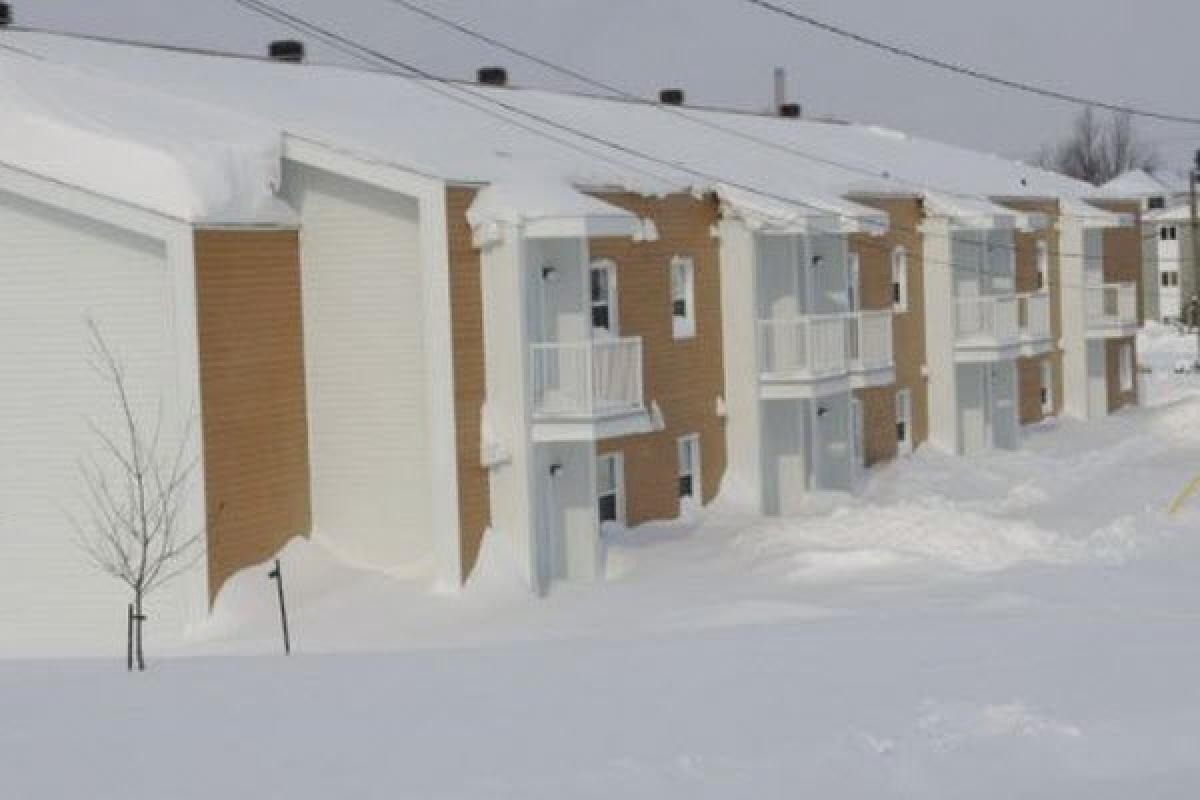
810,346
869,340
987,318
1112,304
820,346
1033,315
587,379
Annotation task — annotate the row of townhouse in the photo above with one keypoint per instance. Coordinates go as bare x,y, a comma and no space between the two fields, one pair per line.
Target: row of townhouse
404,320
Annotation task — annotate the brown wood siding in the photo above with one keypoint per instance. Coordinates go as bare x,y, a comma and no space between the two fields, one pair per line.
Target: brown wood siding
466,313
879,424
254,418
1029,390
1118,399
908,328
684,376
1123,248
1026,244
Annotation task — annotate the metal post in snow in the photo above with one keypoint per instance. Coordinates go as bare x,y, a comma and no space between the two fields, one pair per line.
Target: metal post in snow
277,576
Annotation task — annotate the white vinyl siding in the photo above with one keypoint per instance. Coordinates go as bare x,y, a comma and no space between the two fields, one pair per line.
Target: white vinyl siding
57,269
365,368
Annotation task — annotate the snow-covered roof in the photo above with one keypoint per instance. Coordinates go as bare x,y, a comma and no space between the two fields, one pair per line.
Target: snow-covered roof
1135,183
547,207
1179,213
786,171
171,156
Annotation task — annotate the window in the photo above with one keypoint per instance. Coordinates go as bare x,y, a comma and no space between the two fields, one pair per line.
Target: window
1126,366
1168,233
610,488
604,296
689,466
683,311
904,421
1047,393
853,270
1156,203
1043,265
900,279
1170,278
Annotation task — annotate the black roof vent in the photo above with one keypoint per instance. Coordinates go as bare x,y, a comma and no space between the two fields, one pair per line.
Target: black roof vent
289,50
671,97
492,76
5,14
790,110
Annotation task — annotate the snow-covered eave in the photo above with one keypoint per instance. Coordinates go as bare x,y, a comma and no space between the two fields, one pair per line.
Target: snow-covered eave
819,214
1088,215
980,213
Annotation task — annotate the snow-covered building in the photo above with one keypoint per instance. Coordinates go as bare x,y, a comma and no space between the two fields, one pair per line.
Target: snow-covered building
411,311
1169,254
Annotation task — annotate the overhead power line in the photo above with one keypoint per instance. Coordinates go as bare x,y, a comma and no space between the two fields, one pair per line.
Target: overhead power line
970,72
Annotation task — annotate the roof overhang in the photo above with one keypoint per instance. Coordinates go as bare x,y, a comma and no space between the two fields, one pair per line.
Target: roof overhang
824,214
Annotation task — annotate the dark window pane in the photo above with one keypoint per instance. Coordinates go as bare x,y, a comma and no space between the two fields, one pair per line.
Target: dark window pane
901,432
599,285
600,317
685,486
679,308
896,293
607,508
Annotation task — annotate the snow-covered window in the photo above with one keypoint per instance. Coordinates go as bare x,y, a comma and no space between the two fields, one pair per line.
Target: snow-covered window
604,296
1043,265
1126,367
689,465
683,297
900,279
904,420
609,487
1047,393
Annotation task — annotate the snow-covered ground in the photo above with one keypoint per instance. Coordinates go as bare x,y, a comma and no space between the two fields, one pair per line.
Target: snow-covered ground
1018,625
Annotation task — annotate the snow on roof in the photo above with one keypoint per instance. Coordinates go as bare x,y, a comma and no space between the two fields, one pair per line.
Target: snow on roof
1135,183
162,154
546,207
782,169
1180,213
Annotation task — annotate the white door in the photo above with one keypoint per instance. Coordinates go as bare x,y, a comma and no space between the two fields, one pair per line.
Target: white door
974,403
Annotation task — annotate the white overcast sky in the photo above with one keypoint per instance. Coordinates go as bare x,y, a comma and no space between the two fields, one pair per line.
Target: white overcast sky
722,52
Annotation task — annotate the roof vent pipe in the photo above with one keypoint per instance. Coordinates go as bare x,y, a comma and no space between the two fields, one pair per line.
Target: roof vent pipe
5,14
790,110
288,50
492,76
671,97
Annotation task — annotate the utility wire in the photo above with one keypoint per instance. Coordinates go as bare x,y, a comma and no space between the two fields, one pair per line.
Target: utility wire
357,50
970,72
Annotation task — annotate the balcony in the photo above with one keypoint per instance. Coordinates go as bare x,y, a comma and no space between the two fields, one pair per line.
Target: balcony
1112,310
1033,323
587,389
817,355
986,328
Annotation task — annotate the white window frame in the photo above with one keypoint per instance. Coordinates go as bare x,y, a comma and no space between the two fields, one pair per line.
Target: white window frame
1047,386
899,279
1043,265
904,413
683,327
681,445
1125,367
618,490
608,266
853,281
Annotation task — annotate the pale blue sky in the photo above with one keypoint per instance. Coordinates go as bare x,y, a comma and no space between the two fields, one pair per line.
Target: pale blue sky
722,52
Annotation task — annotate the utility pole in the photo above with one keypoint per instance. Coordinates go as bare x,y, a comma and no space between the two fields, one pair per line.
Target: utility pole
1194,242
